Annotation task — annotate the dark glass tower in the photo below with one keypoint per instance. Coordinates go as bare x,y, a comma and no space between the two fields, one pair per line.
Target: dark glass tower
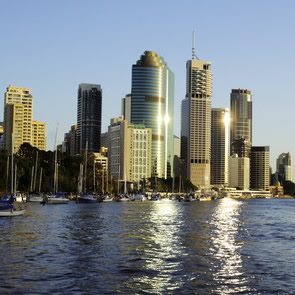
241,122
152,104
89,117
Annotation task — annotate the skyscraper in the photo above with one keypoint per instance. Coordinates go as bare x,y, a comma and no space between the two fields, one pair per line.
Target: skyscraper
220,120
196,121
259,168
284,167
89,117
152,104
241,122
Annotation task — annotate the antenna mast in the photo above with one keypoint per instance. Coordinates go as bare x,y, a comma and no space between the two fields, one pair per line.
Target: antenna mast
193,48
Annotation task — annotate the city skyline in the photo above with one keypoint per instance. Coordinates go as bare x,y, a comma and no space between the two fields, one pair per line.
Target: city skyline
51,63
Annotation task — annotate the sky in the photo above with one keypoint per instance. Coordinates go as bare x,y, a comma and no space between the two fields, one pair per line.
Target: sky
53,46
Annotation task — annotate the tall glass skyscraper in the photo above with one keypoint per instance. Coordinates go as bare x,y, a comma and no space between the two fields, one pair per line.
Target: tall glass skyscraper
89,117
241,122
220,120
152,104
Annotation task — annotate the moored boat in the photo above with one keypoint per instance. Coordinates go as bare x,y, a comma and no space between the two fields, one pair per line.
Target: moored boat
87,198
107,198
7,209
57,198
35,197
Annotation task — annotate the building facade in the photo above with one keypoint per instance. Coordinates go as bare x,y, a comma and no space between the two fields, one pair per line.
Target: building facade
259,168
39,135
196,122
18,112
220,120
129,150
241,122
89,117
284,167
152,105
239,172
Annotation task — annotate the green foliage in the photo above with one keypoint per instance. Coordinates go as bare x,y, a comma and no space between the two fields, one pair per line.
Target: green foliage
25,160
289,188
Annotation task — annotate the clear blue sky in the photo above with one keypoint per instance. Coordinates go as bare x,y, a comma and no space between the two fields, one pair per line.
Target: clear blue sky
52,46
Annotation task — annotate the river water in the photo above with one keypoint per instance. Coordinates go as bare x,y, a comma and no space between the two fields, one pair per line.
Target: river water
165,247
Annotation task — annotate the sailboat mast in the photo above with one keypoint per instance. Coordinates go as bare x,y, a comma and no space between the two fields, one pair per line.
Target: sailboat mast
55,162
85,172
93,175
40,180
35,174
11,188
32,175
15,173
119,180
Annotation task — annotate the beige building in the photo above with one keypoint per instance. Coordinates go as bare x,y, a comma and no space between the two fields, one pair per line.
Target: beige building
39,135
196,122
18,110
129,150
239,172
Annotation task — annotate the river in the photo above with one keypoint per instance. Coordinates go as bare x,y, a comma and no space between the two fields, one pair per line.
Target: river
225,246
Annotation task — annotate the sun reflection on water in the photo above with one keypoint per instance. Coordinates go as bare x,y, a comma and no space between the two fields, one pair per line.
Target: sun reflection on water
226,247
164,248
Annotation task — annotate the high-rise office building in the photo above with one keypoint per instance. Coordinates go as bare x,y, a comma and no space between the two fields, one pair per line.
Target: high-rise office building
152,104
220,120
129,150
284,167
241,122
18,111
259,168
89,117
196,121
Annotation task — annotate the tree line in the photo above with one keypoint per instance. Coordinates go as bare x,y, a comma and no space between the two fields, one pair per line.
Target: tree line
34,171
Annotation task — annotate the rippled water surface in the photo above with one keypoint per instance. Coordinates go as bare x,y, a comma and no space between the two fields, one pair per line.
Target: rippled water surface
166,247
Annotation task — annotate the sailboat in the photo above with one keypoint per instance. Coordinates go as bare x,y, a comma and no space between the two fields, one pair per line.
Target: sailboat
85,197
7,208
56,198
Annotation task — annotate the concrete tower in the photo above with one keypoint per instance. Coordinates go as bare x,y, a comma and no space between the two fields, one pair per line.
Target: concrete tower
196,121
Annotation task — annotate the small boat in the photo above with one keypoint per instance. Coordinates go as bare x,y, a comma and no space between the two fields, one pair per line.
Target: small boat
140,197
107,198
35,197
20,197
156,197
123,198
205,198
87,198
7,209
57,198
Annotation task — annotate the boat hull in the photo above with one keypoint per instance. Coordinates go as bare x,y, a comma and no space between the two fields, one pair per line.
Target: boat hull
57,200
86,201
10,213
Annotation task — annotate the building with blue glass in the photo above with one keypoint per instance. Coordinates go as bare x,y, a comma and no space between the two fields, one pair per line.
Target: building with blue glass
152,104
